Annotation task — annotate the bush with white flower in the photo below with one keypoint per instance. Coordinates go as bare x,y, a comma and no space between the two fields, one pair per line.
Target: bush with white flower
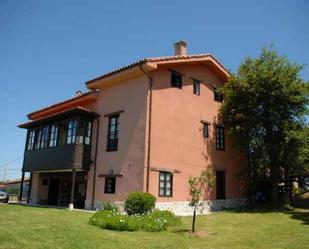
154,221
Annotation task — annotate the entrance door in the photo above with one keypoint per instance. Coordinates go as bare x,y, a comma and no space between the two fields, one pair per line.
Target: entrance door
53,191
220,184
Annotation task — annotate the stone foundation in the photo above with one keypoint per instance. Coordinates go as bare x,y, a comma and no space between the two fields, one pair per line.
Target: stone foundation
183,209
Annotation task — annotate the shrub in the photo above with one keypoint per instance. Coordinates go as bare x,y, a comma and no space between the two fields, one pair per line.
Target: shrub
155,221
106,205
169,217
139,203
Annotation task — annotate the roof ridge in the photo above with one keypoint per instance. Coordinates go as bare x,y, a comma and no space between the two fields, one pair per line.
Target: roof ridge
147,59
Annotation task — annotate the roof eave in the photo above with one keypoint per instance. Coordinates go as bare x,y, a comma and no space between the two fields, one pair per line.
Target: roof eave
116,77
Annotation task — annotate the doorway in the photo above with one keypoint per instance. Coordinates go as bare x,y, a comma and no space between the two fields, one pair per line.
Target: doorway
53,191
220,185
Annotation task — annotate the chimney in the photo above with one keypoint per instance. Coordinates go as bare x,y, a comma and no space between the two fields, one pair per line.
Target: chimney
78,93
180,48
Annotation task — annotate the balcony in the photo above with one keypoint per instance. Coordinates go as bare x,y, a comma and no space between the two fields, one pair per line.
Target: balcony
66,157
60,142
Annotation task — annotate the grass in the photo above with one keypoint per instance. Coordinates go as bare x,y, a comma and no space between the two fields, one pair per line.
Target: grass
32,227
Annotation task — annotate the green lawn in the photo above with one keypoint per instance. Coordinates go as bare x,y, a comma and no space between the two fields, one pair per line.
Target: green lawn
30,227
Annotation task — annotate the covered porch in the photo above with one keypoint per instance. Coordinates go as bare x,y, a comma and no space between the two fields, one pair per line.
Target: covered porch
63,189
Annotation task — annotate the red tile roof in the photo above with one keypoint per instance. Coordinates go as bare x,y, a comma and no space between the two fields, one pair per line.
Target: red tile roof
155,59
69,112
62,102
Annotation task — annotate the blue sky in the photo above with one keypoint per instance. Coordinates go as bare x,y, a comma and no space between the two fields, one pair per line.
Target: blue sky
48,49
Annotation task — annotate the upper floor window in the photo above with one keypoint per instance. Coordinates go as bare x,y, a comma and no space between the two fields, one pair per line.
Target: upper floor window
71,136
87,132
196,87
165,184
205,129
113,131
176,80
44,137
41,138
217,95
220,140
53,136
62,131
31,137
84,132
38,133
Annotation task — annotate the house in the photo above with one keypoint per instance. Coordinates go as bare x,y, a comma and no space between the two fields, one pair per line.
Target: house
147,126
13,186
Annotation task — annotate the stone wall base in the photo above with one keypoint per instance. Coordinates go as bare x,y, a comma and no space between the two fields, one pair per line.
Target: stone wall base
182,208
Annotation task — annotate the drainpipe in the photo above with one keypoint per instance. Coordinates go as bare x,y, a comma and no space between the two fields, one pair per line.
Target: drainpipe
149,124
95,164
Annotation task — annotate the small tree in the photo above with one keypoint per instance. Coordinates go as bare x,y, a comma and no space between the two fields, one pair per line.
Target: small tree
198,185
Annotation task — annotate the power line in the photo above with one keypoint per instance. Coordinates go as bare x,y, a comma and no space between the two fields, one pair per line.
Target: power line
9,162
5,167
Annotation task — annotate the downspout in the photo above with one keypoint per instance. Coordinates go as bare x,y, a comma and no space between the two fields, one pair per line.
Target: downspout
149,124
95,163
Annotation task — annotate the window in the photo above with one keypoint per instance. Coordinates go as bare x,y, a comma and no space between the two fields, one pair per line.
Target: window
196,87
217,95
220,138
165,184
113,130
110,184
41,138
44,137
220,185
38,138
205,130
87,133
53,136
62,133
84,132
71,138
176,80
31,137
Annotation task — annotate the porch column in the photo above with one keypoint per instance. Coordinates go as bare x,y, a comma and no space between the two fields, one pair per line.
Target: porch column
29,189
71,204
21,186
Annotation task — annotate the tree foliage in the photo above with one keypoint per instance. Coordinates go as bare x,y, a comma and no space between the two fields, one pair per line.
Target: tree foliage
197,187
265,106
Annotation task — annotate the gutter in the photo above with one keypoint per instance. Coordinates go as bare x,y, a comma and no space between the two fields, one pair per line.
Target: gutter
95,163
149,124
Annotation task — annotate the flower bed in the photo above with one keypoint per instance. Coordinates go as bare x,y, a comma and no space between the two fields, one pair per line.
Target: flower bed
154,221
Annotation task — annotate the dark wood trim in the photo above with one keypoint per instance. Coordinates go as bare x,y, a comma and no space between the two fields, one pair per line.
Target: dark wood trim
172,171
113,113
73,186
195,79
30,187
21,189
109,175
173,71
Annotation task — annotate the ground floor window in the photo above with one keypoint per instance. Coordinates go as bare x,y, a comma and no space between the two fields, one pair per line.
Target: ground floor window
110,185
220,184
165,184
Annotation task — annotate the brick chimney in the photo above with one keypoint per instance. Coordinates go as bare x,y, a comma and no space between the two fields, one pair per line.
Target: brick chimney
180,48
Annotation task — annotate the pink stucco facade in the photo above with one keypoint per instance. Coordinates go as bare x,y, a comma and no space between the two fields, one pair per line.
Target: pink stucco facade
164,134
